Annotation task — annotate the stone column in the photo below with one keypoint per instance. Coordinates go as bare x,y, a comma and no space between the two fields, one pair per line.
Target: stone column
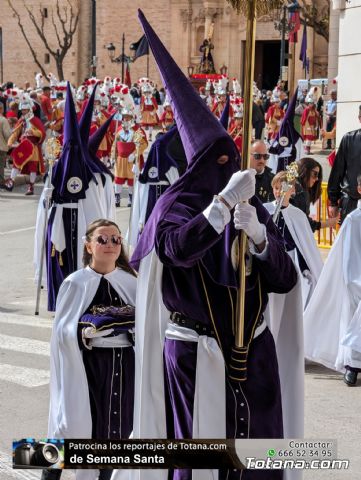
333,45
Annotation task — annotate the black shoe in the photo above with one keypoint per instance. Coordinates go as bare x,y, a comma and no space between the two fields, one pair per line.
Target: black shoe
350,378
9,185
117,200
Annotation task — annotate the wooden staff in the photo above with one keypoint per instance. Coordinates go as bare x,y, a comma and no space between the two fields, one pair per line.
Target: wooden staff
238,369
52,151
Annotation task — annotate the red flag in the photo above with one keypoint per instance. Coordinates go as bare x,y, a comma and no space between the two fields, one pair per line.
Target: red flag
127,80
295,24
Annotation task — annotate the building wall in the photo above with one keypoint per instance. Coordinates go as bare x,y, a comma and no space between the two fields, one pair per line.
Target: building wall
181,24
349,67
18,62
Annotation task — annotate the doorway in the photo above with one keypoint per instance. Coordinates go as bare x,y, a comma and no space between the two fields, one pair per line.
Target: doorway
267,63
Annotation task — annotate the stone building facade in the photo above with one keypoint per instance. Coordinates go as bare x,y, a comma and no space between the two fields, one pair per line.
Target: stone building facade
181,24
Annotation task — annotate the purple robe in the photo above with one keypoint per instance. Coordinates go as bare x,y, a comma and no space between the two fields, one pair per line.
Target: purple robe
186,243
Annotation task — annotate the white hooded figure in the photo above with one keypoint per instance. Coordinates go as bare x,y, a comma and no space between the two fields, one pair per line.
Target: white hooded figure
333,332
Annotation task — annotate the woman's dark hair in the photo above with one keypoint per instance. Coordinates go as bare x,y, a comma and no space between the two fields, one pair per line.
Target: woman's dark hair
305,165
121,262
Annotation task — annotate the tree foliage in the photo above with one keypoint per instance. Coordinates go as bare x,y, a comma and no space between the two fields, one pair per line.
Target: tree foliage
317,16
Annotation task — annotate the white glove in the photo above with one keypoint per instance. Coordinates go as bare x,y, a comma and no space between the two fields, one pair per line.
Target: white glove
131,158
241,187
90,332
245,218
135,169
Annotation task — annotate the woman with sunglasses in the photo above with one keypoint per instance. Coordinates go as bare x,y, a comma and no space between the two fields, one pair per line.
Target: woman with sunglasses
92,357
308,190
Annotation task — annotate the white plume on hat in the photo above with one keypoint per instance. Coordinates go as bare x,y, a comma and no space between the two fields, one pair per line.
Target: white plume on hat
127,111
236,87
314,93
107,84
26,102
52,79
91,82
80,93
39,80
12,93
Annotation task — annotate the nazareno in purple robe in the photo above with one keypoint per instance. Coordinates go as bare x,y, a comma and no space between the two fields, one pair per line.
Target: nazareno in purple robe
187,244
183,243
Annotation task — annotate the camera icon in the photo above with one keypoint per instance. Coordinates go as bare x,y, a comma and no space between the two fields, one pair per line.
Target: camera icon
37,454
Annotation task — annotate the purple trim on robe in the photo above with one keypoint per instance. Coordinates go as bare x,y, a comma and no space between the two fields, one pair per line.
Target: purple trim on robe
56,273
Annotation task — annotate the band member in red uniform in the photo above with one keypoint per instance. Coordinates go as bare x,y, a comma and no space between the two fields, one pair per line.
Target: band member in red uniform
148,109
25,144
236,130
127,151
274,118
167,117
220,103
310,122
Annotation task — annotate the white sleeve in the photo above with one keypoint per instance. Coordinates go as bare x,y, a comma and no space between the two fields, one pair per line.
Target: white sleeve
218,215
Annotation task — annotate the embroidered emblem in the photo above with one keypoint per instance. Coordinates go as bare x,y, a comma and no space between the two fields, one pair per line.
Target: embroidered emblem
153,172
74,185
283,141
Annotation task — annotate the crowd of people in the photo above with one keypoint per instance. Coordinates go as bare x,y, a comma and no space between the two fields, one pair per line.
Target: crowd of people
149,346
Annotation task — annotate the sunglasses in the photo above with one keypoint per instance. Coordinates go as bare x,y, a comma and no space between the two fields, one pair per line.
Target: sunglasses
104,239
315,174
258,156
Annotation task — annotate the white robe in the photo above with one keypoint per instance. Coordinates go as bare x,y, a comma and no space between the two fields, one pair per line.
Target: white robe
332,321
149,403
69,412
284,316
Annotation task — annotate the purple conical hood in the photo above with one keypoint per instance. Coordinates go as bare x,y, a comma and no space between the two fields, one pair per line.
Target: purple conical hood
197,126
71,174
86,118
291,108
71,128
95,140
225,114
